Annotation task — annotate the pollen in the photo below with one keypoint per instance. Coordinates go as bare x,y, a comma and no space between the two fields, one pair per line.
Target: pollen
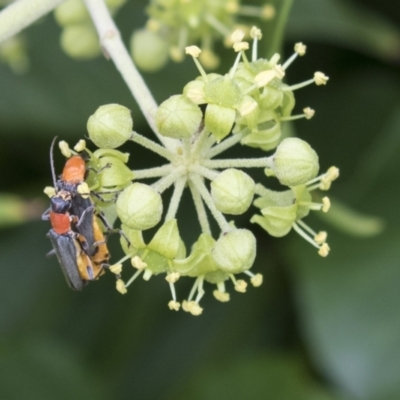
138,263
49,191
116,269
326,204
255,33
221,296
193,51
120,285
308,112
300,49
324,250
320,78
257,280
64,148
241,286
174,305
172,277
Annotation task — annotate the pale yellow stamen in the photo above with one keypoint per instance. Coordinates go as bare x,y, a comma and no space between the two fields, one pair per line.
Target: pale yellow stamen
209,59
264,77
174,305
232,7
280,72
116,269
195,308
255,33
320,78
324,250
172,277
49,191
80,146
248,105
193,51
326,204
237,36
138,263
83,190
308,112
221,296
64,148
152,25
176,54
300,49
241,46
268,12
321,237
257,280
240,286
120,285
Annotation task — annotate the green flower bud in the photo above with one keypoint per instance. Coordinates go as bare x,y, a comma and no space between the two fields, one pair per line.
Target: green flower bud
110,126
295,162
219,120
13,52
178,117
139,207
71,12
80,41
232,191
167,240
235,251
223,91
149,50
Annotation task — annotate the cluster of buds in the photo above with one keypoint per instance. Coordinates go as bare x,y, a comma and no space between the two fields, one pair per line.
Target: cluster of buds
247,106
175,24
79,38
13,51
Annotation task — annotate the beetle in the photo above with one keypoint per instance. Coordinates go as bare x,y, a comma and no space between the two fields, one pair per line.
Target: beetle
80,206
76,236
78,268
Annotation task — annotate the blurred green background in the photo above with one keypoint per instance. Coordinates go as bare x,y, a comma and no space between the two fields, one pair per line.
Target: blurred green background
323,329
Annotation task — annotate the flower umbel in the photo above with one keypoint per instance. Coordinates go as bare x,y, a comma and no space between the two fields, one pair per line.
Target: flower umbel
247,105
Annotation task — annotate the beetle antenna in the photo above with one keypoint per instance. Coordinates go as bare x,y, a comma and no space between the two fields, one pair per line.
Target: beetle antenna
53,173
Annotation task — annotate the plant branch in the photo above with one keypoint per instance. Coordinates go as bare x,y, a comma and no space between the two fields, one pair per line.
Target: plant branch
23,13
239,163
111,42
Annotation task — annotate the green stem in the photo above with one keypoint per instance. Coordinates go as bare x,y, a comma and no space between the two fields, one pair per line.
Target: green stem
207,173
278,29
23,13
168,180
239,163
155,172
201,211
224,145
153,146
111,42
176,198
205,194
